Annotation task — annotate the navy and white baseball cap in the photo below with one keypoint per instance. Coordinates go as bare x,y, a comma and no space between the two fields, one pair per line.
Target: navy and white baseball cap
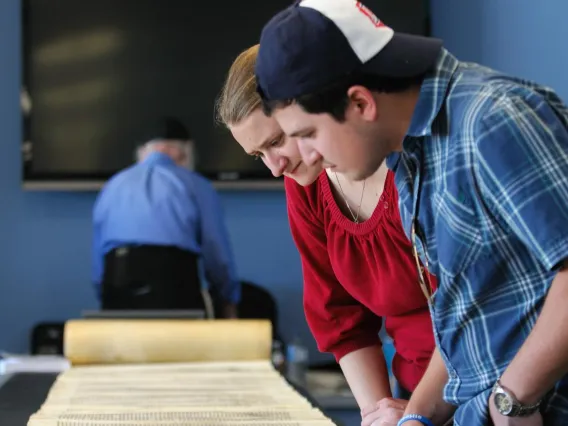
312,43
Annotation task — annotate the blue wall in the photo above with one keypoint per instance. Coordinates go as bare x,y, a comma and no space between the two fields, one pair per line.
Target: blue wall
527,38
45,237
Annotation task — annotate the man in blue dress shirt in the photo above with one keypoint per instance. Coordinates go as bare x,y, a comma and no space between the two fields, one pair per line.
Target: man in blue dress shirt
152,222
481,167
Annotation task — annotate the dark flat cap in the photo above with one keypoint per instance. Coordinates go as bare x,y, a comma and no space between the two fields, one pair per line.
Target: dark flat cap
168,128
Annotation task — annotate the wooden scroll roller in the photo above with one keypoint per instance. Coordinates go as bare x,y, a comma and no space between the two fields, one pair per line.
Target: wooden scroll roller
108,341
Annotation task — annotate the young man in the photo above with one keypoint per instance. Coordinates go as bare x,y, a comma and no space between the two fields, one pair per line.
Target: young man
481,166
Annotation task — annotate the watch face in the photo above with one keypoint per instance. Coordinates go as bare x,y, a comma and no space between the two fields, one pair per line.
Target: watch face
503,403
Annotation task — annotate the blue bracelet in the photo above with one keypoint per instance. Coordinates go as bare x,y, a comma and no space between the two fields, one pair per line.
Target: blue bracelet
424,420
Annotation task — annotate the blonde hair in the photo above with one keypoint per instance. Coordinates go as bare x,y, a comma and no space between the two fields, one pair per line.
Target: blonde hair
239,98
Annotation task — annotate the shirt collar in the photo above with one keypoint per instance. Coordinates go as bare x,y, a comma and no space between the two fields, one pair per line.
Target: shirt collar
158,158
433,91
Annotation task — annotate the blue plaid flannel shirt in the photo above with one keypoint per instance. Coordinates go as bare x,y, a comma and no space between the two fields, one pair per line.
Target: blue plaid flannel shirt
486,161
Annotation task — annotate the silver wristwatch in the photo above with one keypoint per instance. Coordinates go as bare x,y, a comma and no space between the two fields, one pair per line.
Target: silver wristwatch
508,405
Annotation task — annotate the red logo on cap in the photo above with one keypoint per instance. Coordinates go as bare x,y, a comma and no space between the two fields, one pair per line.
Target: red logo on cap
367,12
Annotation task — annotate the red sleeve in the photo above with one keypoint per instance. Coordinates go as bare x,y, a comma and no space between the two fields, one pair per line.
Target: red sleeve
338,322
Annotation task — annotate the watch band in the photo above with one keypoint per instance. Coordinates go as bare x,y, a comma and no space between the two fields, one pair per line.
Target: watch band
518,409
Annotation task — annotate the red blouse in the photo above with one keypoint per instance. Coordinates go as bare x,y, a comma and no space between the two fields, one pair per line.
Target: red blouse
356,274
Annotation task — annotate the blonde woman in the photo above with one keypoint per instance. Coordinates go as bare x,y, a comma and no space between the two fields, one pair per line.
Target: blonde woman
358,266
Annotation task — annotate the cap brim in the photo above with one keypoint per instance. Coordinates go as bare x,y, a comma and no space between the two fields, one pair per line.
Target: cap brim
406,55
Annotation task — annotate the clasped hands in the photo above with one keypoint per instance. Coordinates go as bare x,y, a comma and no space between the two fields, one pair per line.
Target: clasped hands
386,412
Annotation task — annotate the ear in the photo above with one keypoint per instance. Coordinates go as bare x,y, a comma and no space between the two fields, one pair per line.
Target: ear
363,103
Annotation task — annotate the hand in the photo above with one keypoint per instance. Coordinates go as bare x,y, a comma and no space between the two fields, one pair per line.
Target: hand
386,412
500,420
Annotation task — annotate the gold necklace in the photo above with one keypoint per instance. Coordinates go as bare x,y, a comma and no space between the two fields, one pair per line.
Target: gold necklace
355,218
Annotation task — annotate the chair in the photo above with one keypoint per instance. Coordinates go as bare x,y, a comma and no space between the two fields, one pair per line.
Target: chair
258,303
47,338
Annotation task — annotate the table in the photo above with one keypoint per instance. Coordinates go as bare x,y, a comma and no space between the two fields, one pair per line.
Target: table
340,408
22,394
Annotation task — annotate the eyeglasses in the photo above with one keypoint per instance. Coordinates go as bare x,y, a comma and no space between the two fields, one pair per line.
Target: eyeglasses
423,275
